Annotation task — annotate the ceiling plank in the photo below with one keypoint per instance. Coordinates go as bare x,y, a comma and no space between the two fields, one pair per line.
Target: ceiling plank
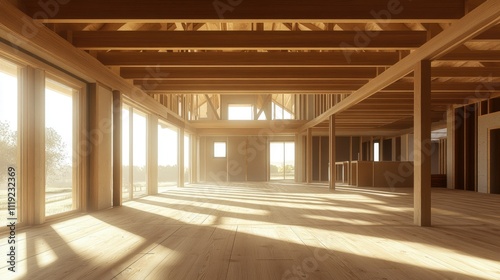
245,40
308,11
468,27
250,59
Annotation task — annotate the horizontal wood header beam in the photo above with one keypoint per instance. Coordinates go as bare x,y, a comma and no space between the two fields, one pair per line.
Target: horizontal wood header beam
302,87
208,73
329,73
244,40
191,10
249,59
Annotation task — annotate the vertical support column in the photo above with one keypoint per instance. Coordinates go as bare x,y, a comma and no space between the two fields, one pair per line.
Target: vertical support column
152,158
32,137
333,169
381,149
349,174
404,147
422,156
181,158
194,159
117,148
39,145
309,156
299,161
394,152
450,148
371,150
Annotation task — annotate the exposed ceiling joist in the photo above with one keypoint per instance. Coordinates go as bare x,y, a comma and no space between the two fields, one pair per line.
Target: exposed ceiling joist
219,10
249,59
245,40
470,26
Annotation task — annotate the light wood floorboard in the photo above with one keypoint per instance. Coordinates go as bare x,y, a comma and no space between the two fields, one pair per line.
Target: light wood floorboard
268,231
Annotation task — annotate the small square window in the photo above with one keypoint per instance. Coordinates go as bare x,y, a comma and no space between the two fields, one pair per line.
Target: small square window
219,149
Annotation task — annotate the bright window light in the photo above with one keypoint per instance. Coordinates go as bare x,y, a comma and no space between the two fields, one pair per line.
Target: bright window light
220,149
240,112
376,151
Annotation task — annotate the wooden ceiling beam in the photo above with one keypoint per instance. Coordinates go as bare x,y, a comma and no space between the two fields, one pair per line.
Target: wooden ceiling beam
481,56
295,73
303,87
249,59
245,40
206,11
204,73
471,25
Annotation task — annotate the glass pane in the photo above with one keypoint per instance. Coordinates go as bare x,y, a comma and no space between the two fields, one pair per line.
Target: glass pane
289,160
58,148
8,131
276,161
220,149
139,158
187,171
126,182
168,168
240,112
376,151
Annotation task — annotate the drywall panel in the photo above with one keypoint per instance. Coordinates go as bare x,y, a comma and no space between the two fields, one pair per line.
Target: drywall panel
215,168
485,124
365,173
391,174
257,162
354,173
355,148
343,149
387,150
236,156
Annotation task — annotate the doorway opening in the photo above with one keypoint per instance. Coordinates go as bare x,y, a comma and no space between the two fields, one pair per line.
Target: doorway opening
282,161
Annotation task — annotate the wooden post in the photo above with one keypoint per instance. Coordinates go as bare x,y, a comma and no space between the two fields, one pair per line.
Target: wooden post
152,155
181,158
309,156
299,161
450,148
422,141
333,168
117,148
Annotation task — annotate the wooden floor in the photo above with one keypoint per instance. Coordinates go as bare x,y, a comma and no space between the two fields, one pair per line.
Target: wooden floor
269,231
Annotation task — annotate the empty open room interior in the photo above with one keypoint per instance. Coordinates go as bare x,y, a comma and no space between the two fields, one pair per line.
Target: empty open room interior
250,139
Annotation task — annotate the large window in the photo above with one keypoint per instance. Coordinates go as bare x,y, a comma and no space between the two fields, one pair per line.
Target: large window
8,129
134,153
219,149
140,150
282,160
242,112
59,146
168,168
